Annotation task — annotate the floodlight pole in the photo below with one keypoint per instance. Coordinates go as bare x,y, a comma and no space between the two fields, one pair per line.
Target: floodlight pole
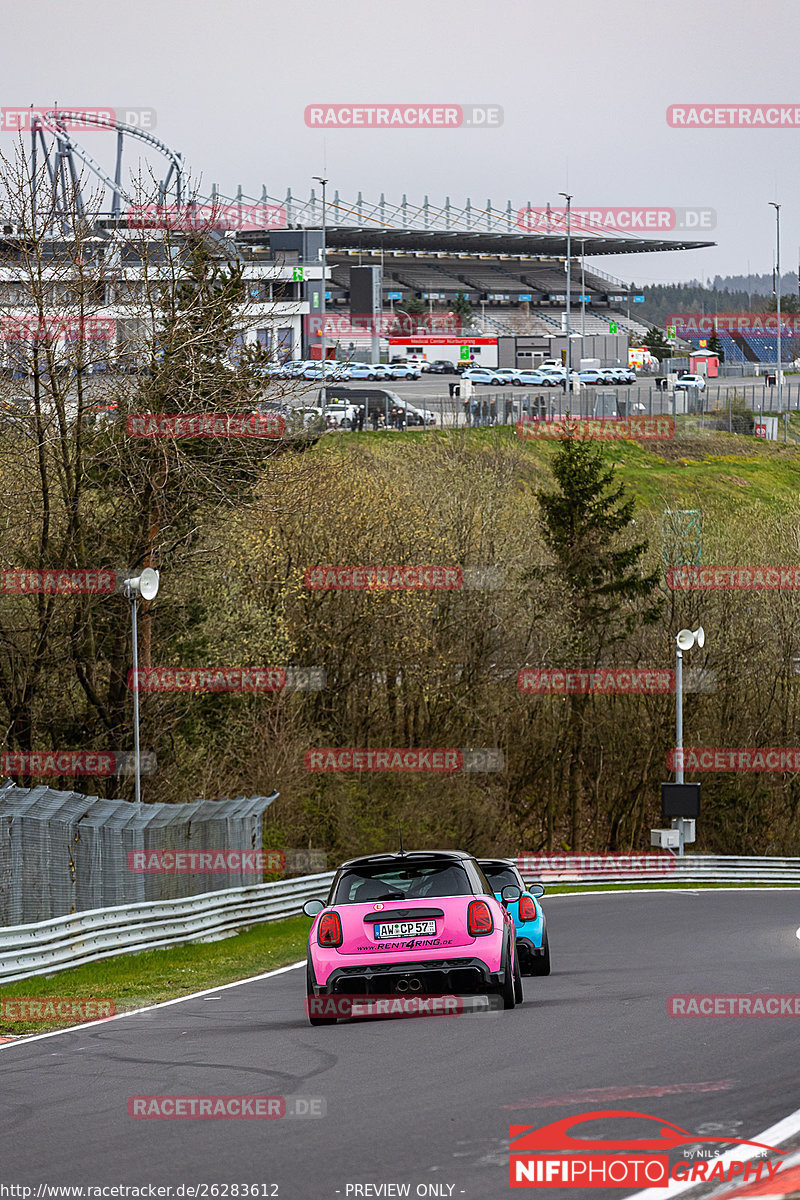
777,208
324,296
568,389
679,734
137,757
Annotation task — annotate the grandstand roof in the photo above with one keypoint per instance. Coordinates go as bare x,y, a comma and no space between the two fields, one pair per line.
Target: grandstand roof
459,241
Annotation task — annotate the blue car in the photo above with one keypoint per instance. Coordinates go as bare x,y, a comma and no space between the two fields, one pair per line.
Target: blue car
533,945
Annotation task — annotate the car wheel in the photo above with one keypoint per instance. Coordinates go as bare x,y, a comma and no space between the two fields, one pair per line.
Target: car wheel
518,993
309,996
540,963
508,989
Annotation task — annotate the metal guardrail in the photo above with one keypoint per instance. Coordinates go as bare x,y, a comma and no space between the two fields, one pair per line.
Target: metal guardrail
588,870
51,946
48,947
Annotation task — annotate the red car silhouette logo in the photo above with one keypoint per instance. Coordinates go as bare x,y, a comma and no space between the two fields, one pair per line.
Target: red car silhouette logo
556,1136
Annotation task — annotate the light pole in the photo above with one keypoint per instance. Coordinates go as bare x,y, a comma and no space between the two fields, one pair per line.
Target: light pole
146,586
568,199
683,641
583,302
777,208
323,297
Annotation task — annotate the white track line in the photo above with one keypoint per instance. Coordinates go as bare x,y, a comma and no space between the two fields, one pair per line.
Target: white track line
23,1040
776,1134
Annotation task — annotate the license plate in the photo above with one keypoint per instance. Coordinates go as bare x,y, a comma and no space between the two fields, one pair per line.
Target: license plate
402,929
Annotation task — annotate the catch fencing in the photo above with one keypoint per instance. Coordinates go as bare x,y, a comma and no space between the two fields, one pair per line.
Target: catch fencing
62,852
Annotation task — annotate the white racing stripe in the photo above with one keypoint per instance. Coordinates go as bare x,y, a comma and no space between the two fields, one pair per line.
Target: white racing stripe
780,1132
23,1040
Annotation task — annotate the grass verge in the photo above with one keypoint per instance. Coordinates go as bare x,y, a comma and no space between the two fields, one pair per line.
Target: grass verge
136,980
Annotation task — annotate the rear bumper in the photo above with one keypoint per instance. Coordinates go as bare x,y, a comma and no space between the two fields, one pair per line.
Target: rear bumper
444,976
528,952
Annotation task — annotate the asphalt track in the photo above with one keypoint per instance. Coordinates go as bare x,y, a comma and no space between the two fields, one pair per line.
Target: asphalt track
427,1101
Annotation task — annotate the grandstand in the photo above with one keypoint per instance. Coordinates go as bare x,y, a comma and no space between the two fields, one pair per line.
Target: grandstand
751,347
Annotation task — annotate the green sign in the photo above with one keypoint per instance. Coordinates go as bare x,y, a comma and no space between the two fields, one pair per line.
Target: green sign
464,352
297,273
612,326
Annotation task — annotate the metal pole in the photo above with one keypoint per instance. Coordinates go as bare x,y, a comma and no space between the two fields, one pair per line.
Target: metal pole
583,303
323,297
777,208
136,701
679,733
568,389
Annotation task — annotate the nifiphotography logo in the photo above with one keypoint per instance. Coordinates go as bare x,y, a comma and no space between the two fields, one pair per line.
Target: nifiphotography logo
550,1156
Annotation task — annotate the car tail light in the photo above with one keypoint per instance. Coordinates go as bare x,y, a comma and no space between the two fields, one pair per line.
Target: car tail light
479,919
329,931
527,909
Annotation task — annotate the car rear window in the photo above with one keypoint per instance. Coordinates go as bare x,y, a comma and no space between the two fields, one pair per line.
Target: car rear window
500,877
400,881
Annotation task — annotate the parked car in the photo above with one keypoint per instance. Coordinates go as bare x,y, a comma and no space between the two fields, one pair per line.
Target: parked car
426,922
530,379
441,366
508,374
686,383
589,376
533,944
482,375
403,371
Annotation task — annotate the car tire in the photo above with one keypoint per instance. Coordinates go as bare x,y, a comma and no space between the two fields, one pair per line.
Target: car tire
309,995
540,963
507,990
519,995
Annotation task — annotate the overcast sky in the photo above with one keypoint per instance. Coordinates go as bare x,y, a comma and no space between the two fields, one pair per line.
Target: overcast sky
584,86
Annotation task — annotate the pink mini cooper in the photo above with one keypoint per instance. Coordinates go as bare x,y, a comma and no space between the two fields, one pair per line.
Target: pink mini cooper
424,922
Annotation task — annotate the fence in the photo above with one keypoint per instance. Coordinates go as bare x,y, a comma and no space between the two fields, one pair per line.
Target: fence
61,852
48,947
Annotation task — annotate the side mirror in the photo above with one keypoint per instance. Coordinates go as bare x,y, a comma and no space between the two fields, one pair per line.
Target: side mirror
511,892
536,889
312,907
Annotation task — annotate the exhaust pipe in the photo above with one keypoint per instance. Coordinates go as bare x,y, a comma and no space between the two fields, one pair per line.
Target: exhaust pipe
415,985
401,985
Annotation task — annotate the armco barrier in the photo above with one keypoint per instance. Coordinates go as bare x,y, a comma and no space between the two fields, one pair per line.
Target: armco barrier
587,870
51,946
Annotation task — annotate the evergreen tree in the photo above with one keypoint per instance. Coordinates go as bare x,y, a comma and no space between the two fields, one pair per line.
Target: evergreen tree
605,593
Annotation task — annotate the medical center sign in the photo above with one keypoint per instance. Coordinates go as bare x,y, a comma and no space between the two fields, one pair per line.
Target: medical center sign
550,1157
